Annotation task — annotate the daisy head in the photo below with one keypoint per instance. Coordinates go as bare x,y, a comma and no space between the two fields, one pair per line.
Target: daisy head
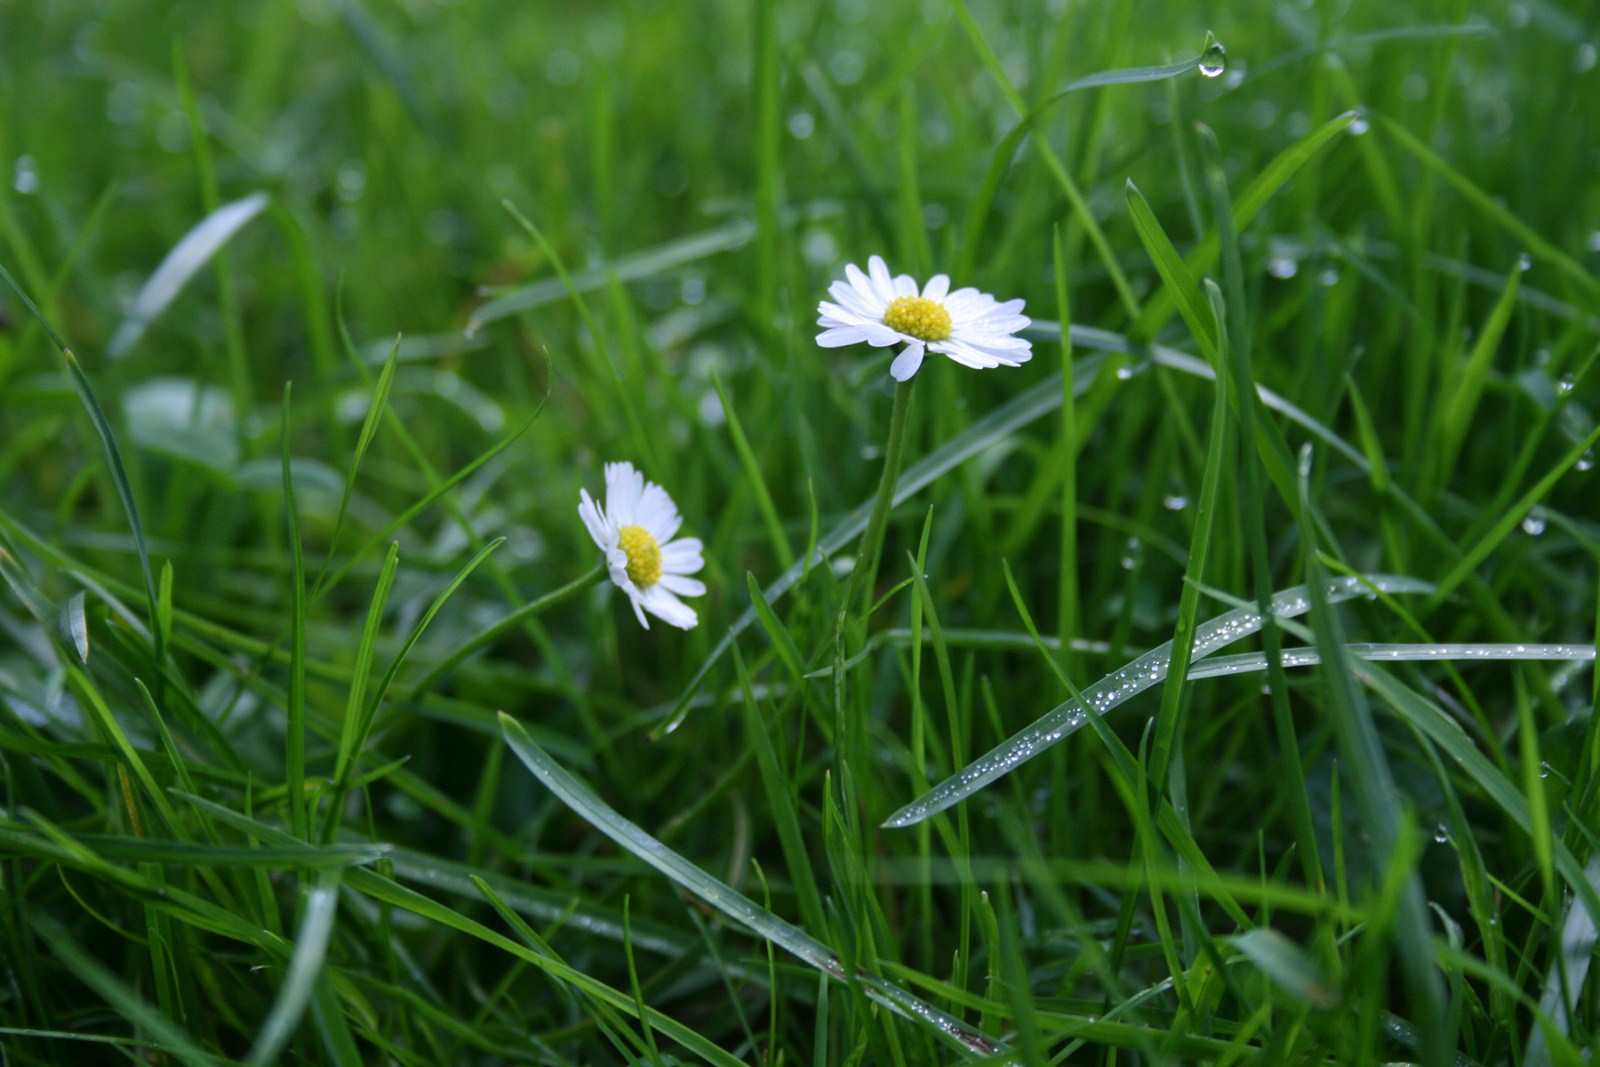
634,531
970,327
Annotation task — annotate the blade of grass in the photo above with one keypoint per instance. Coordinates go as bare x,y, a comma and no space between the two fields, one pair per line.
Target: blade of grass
725,898
1122,685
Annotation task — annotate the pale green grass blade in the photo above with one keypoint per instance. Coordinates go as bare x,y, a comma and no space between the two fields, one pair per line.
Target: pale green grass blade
1167,744
355,706
1123,685
1458,409
753,476
187,257
369,429
1175,274
1267,182
724,898
310,949
782,640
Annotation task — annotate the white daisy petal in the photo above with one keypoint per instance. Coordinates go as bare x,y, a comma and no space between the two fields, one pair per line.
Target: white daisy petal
634,531
878,335
594,519
638,609
858,281
682,556
904,285
907,362
661,603
882,283
677,583
938,287
839,336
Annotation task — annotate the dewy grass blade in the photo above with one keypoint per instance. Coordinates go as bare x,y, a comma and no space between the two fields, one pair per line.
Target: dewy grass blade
1123,685
186,258
723,897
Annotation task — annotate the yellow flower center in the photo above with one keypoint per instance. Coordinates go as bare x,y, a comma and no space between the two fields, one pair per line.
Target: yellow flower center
919,317
644,555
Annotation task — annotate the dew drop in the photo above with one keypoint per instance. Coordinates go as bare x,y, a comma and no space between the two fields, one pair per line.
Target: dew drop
1213,57
1124,372
1328,277
1533,523
1524,261
1177,502
1585,57
1130,558
1359,125
1544,769
1585,462
1440,834
1566,385
26,177
1594,241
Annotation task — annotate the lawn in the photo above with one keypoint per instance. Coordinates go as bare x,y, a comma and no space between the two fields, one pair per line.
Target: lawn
1211,681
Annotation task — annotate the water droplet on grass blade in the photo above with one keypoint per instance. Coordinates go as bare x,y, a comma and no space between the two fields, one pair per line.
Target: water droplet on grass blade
1524,261
1534,523
1585,462
1359,125
1213,57
1566,385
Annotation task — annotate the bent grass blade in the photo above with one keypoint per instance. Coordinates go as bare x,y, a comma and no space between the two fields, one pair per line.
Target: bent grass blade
738,907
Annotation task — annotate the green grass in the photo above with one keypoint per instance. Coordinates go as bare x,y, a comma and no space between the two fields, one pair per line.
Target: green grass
323,739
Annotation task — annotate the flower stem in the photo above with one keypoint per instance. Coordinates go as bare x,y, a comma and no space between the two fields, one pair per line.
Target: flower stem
865,575
510,622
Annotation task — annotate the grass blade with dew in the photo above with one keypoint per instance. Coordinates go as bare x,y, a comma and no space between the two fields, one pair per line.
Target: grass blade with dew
1126,683
187,257
724,898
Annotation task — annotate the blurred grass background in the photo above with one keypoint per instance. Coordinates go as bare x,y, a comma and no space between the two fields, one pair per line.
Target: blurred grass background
700,172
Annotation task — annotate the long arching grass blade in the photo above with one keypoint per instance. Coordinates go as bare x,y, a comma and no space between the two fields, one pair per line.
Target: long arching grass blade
723,897
1126,683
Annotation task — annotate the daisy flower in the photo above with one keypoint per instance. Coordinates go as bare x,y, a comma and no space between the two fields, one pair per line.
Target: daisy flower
634,531
970,327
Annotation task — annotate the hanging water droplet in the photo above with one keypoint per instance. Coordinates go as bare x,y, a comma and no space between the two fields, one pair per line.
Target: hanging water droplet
1359,125
1282,267
1534,522
1524,261
1441,834
1544,769
1566,385
1175,502
26,177
1213,57
1130,558
1585,462
1329,277
1124,372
